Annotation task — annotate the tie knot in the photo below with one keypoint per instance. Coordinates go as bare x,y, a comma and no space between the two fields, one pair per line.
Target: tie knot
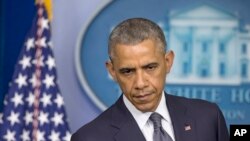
156,119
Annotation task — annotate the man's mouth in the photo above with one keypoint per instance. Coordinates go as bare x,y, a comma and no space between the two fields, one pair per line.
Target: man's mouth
143,97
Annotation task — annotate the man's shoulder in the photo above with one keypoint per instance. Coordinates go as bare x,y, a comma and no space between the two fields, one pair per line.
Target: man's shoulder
207,116
195,105
98,126
191,101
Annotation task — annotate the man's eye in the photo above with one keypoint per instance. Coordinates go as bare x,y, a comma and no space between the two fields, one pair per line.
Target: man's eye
151,67
126,71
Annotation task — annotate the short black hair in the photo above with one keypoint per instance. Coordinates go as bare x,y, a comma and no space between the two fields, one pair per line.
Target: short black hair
135,30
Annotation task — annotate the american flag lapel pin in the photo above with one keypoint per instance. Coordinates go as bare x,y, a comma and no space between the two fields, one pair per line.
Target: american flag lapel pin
187,128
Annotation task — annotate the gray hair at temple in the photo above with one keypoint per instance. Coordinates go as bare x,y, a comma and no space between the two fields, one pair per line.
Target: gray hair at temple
134,31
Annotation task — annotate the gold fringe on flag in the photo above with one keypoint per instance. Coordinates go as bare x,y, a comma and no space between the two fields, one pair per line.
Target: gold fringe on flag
48,7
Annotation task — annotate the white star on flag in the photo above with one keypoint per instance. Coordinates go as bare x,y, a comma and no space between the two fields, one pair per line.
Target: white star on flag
25,135
33,80
30,99
67,137
57,119
45,23
41,42
54,136
43,118
30,43
40,61
46,99
25,62
10,136
21,80
40,135
59,100
50,62
13,118
17,99
28,118
49,81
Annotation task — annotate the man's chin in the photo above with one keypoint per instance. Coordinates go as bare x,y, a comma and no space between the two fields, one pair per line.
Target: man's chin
147,107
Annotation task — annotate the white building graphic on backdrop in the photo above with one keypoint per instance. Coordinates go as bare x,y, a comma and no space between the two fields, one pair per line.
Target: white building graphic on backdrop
211,47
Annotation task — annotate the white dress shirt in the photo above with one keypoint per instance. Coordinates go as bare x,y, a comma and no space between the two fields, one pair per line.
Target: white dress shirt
145,124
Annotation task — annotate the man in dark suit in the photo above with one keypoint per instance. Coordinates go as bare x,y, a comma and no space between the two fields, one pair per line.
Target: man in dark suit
139,63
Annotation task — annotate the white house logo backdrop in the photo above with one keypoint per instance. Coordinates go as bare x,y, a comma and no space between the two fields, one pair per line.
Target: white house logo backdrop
211,42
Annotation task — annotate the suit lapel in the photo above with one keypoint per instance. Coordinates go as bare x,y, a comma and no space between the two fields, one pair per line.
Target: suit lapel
184,126
125,125
127,128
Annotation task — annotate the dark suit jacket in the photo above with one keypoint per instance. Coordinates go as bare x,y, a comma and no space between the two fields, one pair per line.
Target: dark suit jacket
117,123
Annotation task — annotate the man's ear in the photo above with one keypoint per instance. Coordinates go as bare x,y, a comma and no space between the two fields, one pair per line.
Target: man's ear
169,57
110,68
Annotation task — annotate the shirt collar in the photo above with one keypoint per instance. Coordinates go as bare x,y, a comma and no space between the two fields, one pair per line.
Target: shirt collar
142,118
162,109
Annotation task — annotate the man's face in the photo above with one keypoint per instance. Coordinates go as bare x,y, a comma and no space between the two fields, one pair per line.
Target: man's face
140,70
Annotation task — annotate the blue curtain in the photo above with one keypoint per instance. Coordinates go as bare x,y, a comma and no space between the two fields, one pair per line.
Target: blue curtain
15,20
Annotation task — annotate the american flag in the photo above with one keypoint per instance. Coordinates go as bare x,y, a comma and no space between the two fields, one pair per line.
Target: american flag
34,107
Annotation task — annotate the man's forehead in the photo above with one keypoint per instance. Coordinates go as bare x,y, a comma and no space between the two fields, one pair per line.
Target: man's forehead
134,64
145,46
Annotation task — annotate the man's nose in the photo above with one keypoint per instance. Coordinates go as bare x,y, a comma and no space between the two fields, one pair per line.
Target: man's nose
141,80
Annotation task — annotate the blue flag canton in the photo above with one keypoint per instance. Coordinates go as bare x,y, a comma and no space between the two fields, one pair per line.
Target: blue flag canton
17,119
